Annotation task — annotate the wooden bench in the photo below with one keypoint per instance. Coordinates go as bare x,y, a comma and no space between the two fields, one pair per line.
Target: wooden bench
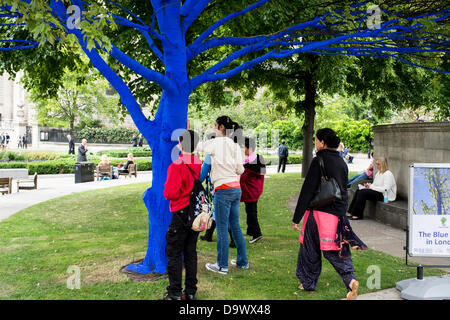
27,184
5,185
104,171
132,170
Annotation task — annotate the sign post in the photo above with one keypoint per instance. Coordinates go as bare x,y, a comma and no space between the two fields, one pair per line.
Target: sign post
428,230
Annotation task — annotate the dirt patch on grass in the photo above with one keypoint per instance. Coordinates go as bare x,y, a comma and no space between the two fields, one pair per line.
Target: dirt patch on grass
137,277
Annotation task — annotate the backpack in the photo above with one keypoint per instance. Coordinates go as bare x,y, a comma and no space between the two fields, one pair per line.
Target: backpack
199,215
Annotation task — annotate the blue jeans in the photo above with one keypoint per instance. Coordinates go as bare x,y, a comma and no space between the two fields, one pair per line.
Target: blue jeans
358,177
226,205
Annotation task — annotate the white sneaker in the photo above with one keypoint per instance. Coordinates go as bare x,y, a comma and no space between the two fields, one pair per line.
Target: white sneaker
253,240
234,263
214,267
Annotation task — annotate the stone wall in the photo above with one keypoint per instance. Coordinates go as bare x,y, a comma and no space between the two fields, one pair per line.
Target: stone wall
403,144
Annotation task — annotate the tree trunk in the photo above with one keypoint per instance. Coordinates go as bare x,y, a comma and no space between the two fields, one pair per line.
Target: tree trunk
170,121
309,105
164,152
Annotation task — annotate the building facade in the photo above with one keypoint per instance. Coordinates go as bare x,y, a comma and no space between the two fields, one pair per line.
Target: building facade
17,115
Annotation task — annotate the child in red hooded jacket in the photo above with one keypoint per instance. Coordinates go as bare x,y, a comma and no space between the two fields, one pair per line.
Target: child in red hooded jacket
182,239
252,185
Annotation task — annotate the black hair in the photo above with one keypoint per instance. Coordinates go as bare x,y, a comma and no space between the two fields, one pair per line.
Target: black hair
189,140
329,137
229,125
250,143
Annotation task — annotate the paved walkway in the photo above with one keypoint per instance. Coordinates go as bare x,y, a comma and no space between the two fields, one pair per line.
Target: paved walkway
54,186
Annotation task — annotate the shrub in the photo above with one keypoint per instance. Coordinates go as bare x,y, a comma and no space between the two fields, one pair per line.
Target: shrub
66,166
107,135
123,153
292,159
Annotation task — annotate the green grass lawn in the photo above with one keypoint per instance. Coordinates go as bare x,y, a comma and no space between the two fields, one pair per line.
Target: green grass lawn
100,231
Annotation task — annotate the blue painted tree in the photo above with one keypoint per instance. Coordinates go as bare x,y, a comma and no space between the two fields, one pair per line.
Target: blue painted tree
346,31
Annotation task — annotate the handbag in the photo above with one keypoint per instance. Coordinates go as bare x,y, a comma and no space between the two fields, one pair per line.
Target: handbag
199,215
328,190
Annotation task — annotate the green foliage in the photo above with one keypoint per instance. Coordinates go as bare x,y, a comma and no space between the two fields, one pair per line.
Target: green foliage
353,133
122,153
30,155
80,96
67,166
106,135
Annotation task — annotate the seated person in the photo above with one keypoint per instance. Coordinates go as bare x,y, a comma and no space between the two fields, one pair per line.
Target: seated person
365,175
384,182
123,168
104,163
347,155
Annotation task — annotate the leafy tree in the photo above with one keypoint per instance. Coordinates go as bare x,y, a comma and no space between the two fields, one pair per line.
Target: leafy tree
191,43
79,98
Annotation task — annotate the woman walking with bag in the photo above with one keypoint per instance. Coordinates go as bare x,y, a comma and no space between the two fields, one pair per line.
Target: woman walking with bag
325,228
226,166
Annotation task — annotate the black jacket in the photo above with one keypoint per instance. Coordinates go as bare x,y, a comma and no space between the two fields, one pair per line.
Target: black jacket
334,167
71,147
81,153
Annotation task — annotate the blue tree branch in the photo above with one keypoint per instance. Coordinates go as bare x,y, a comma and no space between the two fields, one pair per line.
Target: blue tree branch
187,7
195,10
221,22
147,73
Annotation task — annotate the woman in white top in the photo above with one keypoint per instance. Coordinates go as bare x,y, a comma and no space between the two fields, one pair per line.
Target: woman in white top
226,167
384,181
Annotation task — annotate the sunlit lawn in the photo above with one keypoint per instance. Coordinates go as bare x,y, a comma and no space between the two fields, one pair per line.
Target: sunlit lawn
100,231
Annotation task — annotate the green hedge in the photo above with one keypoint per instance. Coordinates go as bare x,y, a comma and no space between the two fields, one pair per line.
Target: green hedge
66,166
123,153
107,135
292,159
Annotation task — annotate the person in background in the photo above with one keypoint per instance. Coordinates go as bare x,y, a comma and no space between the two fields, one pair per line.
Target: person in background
252,186
283,154
323,228
341,149
82,150
182,240
365,175
124,167
384,182
19,144
103,163
141,140
135,141
347,155
71,144
25,141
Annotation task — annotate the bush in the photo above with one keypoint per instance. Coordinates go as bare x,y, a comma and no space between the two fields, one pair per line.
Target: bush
30,155
66,166
107,135
123,153
292,159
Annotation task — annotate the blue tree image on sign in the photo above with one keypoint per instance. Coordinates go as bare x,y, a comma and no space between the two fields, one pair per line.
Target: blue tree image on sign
432,192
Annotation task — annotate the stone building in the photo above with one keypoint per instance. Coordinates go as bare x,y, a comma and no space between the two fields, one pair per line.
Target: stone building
17,115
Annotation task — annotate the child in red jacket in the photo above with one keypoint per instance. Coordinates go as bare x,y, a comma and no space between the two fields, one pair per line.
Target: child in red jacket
182,239
252,185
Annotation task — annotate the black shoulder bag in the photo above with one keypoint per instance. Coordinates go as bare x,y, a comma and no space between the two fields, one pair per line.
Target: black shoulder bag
328,190
198,196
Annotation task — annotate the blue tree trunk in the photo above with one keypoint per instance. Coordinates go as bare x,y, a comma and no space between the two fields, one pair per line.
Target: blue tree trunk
171,116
